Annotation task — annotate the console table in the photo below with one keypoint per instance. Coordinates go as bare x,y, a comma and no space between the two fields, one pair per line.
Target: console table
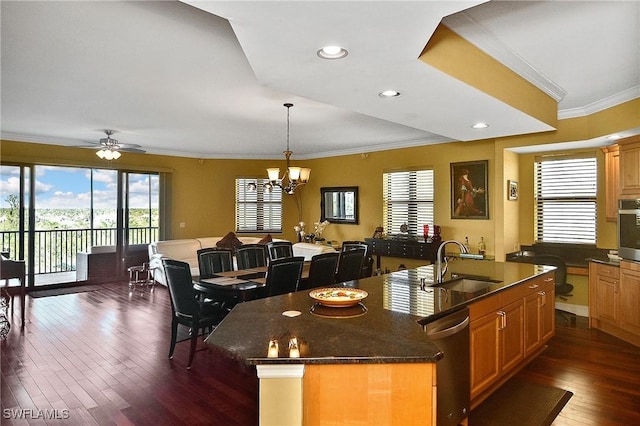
409,249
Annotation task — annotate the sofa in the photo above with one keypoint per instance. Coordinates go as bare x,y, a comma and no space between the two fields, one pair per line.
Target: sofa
186,250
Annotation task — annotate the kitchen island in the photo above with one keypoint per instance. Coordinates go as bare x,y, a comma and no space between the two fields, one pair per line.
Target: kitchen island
370,363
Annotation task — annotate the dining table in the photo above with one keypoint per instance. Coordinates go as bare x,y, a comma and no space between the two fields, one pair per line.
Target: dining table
242,285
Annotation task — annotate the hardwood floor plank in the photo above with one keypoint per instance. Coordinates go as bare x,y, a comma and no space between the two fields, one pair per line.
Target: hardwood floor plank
103,356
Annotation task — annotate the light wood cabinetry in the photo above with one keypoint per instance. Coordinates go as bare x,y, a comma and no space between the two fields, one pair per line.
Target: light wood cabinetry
614,299
612,181
507,329
630,297
630,167
539,314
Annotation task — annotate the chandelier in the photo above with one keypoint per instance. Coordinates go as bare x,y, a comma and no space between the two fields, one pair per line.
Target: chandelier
110,148
293,177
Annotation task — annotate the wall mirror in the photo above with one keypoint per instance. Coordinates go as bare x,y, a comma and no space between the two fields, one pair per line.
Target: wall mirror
339,204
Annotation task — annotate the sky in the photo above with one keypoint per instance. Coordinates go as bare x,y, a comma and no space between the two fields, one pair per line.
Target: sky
70,187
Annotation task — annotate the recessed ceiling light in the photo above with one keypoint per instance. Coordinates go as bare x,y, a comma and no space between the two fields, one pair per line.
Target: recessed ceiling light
332,52
613,137
389,94
480,125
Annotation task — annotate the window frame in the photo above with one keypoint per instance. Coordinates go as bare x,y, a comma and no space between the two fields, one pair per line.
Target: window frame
571,187
416,198
264,223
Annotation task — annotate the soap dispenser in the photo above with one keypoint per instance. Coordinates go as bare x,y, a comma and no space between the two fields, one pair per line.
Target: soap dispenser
466,244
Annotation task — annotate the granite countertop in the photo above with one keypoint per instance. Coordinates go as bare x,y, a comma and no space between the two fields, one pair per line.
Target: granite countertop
388,330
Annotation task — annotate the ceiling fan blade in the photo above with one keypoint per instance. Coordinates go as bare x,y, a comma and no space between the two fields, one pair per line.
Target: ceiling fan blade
135,150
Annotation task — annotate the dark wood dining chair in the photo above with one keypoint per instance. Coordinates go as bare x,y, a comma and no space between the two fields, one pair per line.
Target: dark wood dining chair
367,265
251,256
186,309
350,264
279,250
212,260
283,275
322,271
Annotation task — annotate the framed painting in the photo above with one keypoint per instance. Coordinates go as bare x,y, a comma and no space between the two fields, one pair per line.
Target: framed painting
469,190
512,190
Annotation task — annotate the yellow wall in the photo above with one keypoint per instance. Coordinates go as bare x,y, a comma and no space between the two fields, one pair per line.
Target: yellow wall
203,190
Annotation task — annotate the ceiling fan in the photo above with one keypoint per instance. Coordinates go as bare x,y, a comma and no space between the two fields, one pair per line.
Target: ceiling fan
110,148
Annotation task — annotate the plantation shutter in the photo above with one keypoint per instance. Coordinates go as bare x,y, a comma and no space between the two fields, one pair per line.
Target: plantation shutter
258,210
408,198
565,190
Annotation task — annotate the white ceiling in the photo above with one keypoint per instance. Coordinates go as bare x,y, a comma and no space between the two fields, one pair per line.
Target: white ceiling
208,79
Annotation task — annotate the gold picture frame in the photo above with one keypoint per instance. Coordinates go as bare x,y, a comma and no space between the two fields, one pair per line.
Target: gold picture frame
469,190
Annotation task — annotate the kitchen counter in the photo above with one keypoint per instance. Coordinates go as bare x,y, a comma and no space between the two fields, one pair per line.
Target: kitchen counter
388,330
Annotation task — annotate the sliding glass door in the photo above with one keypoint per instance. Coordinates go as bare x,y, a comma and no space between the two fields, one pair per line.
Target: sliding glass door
63,216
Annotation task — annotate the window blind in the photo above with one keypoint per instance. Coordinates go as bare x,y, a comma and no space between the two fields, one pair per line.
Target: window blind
408,197
259,210
566,192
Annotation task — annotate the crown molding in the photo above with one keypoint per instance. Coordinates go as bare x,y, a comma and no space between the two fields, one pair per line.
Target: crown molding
601,105
475,33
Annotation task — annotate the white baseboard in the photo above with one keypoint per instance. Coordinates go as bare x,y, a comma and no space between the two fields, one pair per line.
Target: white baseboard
580,310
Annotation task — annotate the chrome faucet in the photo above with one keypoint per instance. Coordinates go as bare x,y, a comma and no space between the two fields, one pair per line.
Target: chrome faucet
439,271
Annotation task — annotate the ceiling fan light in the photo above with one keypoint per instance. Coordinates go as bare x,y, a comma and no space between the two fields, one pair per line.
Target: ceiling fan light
116,154
100,154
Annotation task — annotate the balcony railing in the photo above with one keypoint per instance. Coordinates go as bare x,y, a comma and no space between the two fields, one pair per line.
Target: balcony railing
55,250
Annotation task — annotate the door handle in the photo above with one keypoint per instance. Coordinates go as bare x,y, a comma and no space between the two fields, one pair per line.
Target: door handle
503,320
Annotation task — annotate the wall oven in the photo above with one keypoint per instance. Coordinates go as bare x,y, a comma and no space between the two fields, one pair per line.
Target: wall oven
629,229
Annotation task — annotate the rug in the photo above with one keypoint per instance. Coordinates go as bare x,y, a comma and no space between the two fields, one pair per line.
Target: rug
63,290
520,402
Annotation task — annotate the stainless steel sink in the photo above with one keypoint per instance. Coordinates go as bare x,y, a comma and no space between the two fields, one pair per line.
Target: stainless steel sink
467,285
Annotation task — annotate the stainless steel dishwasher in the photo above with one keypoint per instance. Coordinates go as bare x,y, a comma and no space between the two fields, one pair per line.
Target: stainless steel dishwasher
451,334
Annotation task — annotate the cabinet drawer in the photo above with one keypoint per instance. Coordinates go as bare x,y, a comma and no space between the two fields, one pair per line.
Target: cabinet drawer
608,271
483,307
632,266
536,284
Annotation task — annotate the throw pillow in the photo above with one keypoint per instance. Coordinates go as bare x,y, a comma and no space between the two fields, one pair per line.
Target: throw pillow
229,241
266,239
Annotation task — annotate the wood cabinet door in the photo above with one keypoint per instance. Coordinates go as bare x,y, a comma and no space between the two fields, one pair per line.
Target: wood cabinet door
630,300
607,299
548,313
511,336
630,169
484,358
532,323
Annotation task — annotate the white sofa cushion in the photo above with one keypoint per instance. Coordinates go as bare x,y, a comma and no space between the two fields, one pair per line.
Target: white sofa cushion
102,249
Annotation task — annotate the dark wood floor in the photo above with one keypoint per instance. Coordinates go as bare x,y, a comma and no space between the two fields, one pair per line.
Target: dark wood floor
102,356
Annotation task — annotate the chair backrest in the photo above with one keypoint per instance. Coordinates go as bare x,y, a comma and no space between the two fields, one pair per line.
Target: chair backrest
367,264
322,271
350,265
251,256
212,260
180,283
558,262
279,249
350,245
283,275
